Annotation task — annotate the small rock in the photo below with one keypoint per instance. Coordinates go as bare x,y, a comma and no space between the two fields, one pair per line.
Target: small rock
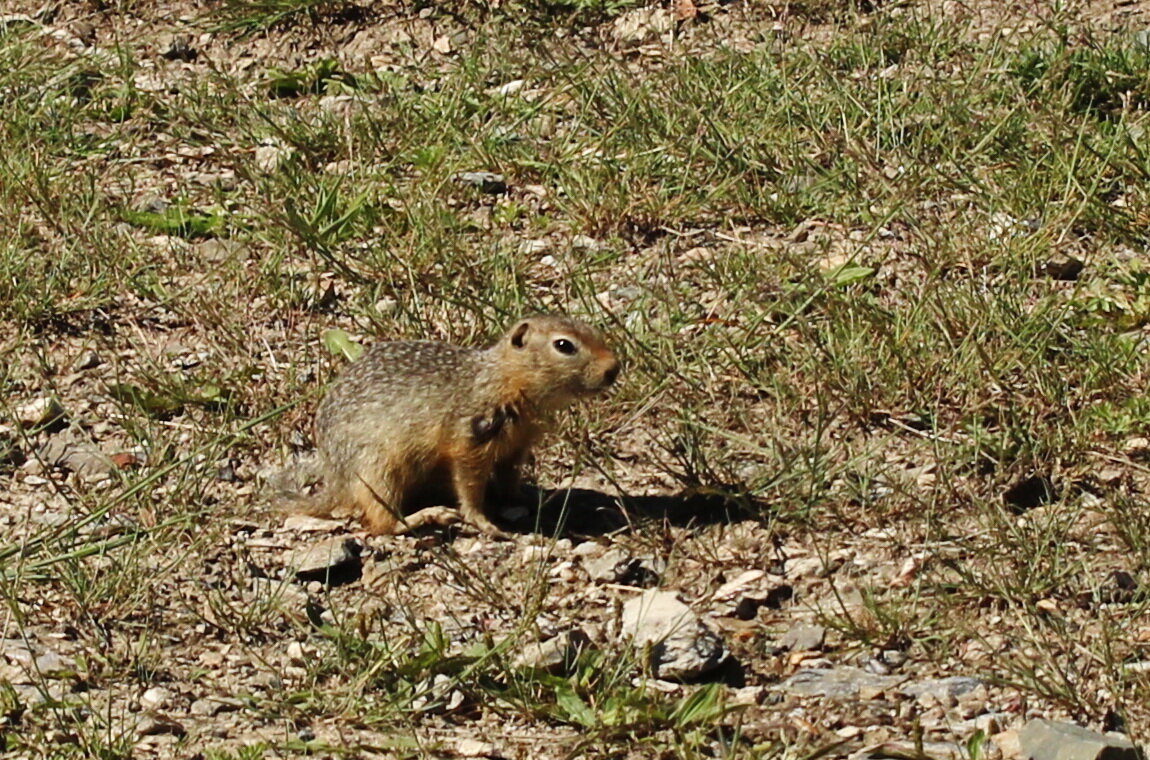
748,696
534,247
586,243
616,566
156,698
533,554
803,637
510,88
296,655
16,651
38,412
487,182
1008,744
588,550
555,655
87,360
154,725
269,157
609,567
1051,740
681,646
85,460
333,561
836,683
942,689
1137,448
742,597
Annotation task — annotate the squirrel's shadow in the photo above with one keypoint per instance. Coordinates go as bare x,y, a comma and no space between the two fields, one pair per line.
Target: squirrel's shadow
582,511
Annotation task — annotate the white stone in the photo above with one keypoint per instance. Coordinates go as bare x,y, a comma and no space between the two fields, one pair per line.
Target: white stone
680,645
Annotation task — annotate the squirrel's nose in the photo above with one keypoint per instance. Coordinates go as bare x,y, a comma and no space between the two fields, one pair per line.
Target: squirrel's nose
611,373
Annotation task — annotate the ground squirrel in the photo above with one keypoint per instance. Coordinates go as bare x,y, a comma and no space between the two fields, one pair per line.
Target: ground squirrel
412,415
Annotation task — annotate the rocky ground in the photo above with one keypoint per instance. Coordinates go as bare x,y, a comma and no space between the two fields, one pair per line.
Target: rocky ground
711,565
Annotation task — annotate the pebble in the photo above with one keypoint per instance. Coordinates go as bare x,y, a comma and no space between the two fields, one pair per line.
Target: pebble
333,560
1054,740
87,360
487,182
942,689
84,459
836,683
155,725
296,655
681,646
609,567
555,655
156,698
803,637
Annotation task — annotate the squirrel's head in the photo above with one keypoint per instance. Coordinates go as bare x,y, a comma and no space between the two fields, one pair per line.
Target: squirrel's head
560,359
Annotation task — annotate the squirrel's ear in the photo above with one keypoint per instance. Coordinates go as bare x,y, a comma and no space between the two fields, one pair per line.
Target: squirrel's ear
519,333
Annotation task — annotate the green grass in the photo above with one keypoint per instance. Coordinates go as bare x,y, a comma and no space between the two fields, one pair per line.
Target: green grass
822,261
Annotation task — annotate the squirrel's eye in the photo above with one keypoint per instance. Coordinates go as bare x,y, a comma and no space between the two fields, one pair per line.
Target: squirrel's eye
564,346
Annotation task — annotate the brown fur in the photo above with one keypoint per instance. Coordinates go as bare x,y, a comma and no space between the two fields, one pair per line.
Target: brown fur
410,414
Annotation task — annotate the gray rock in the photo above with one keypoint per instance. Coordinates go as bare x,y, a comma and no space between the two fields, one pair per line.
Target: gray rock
554,655
487,182
803,637
156,698
745,594
942,688
87,360
154,725
836,683
617,566
609,567
17,652
333,560
680,646
80,457
1050,740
